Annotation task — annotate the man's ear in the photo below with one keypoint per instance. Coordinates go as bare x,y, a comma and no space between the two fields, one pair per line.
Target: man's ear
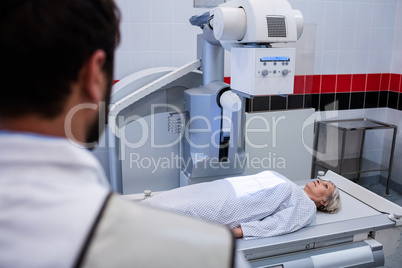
322,203
93,76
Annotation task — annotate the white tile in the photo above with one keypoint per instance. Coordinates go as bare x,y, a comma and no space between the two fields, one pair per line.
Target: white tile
370,142
364,1
162,37
355,46
140,61
397,169
300,44
398,121
330,62
347,36
396,64
140,36
383,111
184,37
309,36
398,15
307,39
374,64
349,14
398,39
389,2
340,114
392,116
386,61
374,155
140,11
163,59
162,11
183,57
319,40
379,140
357,113
124,37
388,135
329,115
333,13
200,11
362,40
304,62
318,62
377,38
121,65
123,6
183,10
302,6
331,38
345,62
316,12
398,145
360,61
380,12
364,15
375,114
389,37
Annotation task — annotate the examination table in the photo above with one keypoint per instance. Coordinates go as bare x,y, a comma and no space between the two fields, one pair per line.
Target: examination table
361,234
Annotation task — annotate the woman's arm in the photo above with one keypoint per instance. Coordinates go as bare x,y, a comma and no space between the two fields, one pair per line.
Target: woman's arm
238,232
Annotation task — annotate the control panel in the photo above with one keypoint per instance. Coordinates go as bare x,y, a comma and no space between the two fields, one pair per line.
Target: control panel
273,66
262,71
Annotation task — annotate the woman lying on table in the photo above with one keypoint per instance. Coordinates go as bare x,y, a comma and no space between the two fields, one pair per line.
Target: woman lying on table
261,205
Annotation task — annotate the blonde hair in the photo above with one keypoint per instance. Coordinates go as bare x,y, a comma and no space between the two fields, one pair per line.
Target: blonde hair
333,202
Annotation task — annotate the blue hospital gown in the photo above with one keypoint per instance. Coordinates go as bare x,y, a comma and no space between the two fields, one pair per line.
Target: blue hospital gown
263,205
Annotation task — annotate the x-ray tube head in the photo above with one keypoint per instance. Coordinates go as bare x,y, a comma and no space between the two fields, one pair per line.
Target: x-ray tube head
248,28
229,23
256,21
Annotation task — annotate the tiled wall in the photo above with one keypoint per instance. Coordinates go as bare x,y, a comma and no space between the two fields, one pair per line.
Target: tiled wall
337,92
349,57
351,36
155,33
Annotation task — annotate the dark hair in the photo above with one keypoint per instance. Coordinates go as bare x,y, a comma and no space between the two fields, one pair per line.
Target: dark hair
43,45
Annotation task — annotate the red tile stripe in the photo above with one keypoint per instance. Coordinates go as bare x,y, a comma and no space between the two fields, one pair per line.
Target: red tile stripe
343,83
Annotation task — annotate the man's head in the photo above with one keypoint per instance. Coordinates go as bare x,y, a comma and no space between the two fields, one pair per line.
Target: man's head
324,194
45,46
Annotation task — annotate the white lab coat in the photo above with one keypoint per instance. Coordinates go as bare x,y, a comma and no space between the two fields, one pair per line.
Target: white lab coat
50,194
53,213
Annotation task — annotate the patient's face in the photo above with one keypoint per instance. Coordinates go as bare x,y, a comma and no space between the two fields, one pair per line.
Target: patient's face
319,189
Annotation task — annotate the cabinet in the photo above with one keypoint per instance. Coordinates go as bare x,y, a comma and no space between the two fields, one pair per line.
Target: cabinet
339,145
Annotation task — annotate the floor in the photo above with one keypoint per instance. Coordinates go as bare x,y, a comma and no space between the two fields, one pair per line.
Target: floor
395,260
